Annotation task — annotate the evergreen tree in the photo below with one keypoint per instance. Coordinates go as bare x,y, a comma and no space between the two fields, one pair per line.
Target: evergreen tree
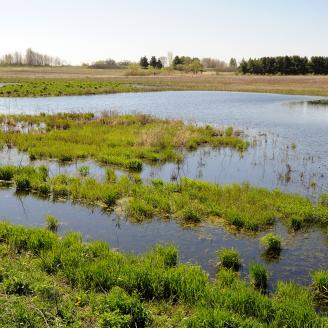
159,64
144,62
176,61
153,62
233,63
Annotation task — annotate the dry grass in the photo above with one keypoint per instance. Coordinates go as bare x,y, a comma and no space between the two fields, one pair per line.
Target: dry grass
309,84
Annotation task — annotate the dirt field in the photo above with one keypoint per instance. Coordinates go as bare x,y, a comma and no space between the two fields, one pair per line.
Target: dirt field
307,85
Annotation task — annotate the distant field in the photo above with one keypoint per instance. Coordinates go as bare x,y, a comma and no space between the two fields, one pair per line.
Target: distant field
303,85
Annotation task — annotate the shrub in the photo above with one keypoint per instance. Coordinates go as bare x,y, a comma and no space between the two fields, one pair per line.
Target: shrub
229,258
258,276
272,244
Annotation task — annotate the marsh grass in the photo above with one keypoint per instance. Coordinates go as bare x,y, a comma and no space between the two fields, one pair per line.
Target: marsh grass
258,276
52,223
229,258
125,141
47,280
241,207
272,244
42,88
320,285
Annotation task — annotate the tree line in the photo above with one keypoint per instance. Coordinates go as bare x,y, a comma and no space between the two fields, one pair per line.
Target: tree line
30,58
153,62
285,65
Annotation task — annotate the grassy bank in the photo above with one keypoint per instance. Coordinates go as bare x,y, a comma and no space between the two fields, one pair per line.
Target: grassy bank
123,140
191,202
47,281
44,88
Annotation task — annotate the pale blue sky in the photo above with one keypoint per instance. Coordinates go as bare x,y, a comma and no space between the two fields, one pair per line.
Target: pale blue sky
83,31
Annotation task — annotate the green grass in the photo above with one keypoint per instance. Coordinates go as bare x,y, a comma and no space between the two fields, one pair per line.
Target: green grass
272,244
49,281
52,223
241,207
258,275
229,258
320,284
44,88
126,141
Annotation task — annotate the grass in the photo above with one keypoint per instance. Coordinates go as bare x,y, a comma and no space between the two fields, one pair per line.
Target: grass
272,244
42,88
126,141
241,207
302,85
51,281
258,276
320,284
229,258
52,223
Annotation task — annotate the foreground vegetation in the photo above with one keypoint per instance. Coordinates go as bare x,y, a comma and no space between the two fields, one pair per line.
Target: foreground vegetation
123,140
47,281
191,202
41,88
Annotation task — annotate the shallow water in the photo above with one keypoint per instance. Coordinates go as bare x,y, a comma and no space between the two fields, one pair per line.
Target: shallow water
276,122
302,253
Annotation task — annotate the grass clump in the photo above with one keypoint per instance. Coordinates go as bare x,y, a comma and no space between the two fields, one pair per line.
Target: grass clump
258,276
52,223
272,244
320,284
229,258
84,171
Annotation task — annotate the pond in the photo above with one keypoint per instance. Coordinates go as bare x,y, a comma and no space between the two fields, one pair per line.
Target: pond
302,252
291,137
289,151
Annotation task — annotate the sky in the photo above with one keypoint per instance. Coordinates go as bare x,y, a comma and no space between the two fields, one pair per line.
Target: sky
84,31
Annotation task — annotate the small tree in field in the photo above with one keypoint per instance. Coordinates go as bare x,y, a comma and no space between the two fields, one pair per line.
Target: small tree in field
159,64
144,62
153,62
